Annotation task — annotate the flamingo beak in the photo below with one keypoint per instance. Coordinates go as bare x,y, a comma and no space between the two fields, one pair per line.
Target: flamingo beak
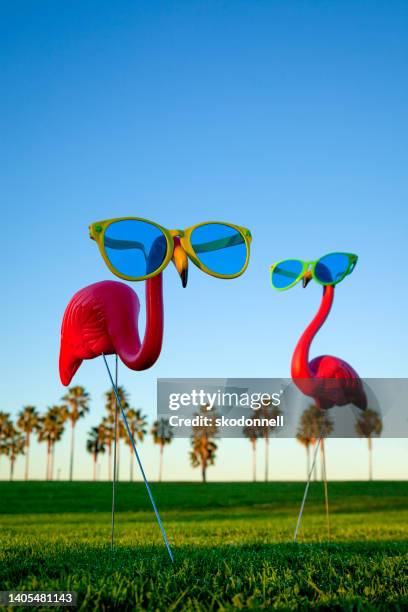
180,260
307,277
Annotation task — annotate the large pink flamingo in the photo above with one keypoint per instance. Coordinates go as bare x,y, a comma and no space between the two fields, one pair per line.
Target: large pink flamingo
329,380
102,319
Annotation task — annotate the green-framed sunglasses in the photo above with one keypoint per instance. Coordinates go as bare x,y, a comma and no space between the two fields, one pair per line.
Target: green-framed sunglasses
328,270
137,249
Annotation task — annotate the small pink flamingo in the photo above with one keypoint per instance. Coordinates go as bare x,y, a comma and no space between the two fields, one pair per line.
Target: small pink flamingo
329,380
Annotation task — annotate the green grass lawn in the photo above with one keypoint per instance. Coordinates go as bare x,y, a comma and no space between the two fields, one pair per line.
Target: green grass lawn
231,541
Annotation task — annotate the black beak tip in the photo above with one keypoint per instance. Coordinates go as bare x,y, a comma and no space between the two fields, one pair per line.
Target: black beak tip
184,277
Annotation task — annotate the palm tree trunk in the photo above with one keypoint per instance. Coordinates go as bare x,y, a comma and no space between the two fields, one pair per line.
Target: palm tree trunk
161,463
203,471
94,466
370,458
307,460
110,462
48,461
266,458
315,468
324,477
11,468
27,445
52,461
321,460
117,459
131,463
71,461
254,460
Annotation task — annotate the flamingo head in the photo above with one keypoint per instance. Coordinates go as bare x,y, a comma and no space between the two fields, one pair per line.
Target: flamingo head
180,260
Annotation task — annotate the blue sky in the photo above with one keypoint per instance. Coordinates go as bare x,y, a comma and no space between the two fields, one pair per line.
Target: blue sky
289,118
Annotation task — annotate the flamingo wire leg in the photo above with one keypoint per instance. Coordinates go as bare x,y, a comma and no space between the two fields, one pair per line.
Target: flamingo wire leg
114,458
139,462
306,489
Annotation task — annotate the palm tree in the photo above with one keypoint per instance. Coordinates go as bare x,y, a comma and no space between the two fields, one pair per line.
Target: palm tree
95,445
202,442
311,427
307,443
163,434
325,426
368,424
5,426
61,412
137,424
110,406
267,411
315,423
78,401
15,448
4,423
306,434
52,426
253,433
28,421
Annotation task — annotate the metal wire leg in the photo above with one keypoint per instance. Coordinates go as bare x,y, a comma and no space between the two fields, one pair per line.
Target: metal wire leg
306,490
139,462
114,458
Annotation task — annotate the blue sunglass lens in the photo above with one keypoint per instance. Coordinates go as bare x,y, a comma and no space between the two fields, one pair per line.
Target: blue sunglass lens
135,248
286,272
330,269
221,248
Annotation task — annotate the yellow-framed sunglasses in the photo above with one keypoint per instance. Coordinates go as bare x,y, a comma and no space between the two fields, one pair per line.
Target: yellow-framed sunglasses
136,249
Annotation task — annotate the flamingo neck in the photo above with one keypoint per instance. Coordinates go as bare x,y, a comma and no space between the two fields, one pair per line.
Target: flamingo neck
300,360
142,355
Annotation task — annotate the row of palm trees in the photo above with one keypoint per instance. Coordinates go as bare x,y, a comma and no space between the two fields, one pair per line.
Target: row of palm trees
15,438
314,423
49,428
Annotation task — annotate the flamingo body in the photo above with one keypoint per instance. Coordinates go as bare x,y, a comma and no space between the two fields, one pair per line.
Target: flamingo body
103,318
328,379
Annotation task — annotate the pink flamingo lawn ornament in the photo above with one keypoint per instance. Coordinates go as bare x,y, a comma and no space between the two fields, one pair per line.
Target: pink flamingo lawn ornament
102,319
329,380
